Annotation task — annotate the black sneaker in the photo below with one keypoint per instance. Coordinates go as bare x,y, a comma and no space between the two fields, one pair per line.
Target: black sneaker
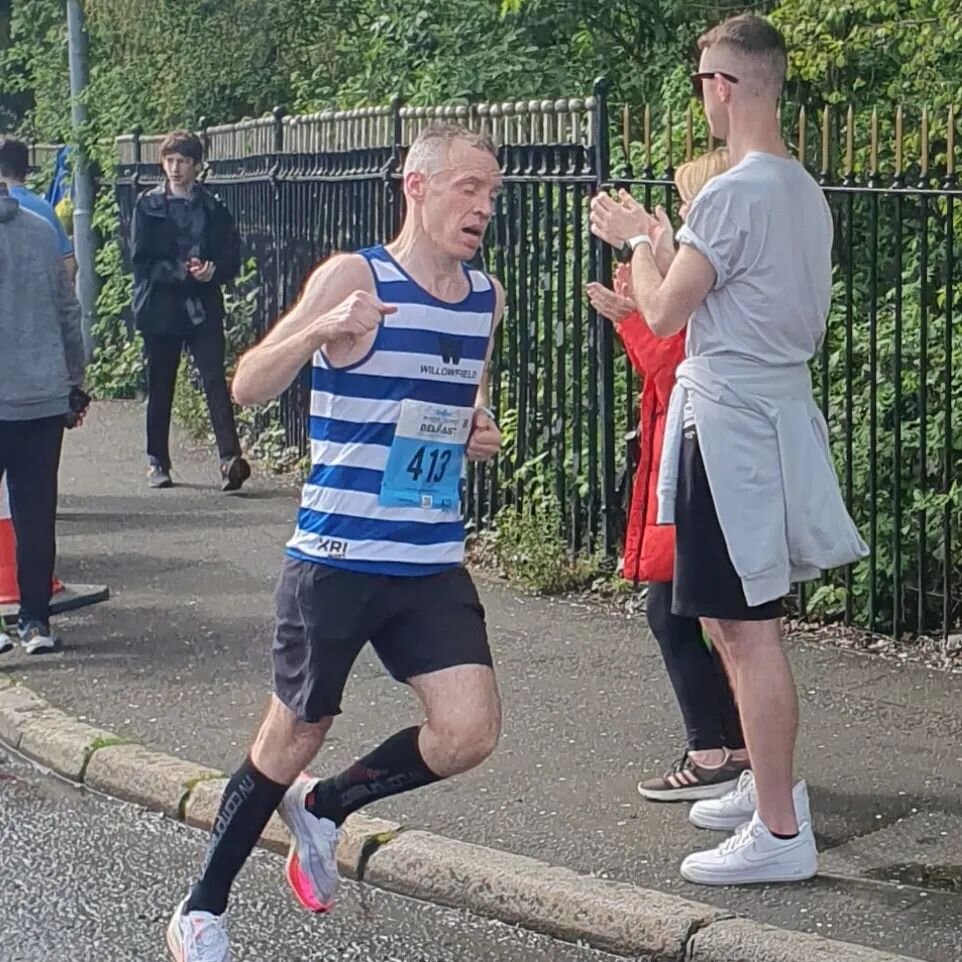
689,782
159,477
234,473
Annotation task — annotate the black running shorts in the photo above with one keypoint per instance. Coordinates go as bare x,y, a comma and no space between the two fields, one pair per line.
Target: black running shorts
706,583
326,615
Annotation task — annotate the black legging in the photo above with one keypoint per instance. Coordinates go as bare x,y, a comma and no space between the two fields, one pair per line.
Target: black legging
696,673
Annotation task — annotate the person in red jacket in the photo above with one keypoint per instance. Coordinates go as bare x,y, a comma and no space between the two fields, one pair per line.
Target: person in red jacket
716,754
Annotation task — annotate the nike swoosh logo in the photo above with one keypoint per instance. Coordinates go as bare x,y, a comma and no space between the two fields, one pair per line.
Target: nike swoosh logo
767,856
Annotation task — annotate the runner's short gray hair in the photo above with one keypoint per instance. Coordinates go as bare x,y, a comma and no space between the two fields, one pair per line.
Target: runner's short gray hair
429,151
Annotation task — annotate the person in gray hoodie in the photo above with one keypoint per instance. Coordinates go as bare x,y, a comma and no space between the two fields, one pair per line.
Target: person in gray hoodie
41,371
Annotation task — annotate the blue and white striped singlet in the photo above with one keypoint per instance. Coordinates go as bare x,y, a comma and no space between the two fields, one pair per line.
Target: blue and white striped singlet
428,351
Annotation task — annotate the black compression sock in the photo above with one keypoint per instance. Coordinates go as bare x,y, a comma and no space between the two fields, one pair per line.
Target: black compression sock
393,767
245,809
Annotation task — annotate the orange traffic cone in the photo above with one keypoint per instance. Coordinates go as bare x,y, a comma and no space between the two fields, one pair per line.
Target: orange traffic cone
9,590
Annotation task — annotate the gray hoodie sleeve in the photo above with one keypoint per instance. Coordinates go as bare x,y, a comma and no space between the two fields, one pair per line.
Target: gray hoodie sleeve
70,326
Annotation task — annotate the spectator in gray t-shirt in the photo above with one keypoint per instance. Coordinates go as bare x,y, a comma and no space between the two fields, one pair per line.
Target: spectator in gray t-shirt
747,475
765,228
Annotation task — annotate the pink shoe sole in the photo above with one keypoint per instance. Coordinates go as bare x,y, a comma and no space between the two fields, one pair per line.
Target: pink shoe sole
301,886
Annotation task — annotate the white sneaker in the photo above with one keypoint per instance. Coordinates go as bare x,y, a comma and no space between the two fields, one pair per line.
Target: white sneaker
312,859
727,813
197,937
6,642
754,855
37,639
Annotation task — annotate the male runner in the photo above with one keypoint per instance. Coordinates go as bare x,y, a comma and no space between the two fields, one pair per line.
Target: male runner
400,338
747,475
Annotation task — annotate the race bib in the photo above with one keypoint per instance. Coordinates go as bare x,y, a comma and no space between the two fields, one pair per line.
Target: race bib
427,457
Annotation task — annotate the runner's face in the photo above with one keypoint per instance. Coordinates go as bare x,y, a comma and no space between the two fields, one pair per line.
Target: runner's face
459,200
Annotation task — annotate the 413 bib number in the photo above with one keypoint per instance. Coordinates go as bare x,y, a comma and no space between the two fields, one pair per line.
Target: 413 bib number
426,459
439,461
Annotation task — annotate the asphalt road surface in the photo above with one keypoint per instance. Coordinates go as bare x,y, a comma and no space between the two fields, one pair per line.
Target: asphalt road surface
87,879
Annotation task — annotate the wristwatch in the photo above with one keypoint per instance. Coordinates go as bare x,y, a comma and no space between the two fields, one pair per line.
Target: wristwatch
625,252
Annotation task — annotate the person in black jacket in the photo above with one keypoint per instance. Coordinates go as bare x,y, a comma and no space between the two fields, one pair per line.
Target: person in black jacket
183,247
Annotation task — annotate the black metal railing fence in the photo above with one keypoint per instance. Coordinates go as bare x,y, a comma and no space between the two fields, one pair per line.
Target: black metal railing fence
303,187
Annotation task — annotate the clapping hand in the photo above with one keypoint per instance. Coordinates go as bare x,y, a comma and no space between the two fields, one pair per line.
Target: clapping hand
622,280
616,220
663,240
610,304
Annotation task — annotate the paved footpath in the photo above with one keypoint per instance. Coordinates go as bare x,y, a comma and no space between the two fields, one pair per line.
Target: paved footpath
178,660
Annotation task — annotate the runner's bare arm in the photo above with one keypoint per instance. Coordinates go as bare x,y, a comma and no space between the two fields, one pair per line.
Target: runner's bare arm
484,388
668,303
268,368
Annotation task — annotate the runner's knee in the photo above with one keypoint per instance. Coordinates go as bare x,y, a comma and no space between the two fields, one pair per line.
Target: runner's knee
285,745
464,742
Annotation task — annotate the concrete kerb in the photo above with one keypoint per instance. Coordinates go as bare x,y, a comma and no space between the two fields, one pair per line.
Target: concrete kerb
148,778
18,708
613,916
62,743
741,940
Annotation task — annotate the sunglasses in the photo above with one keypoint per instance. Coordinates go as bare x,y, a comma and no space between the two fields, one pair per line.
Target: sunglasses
697,78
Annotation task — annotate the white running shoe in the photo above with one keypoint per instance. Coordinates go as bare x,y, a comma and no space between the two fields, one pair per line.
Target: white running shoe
37,639
727,813
197,936
312,859
753,855
6,642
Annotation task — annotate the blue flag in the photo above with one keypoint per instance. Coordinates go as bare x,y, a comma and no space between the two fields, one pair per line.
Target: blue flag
60,187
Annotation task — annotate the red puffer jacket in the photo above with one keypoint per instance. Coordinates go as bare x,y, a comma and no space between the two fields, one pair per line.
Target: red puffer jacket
649,546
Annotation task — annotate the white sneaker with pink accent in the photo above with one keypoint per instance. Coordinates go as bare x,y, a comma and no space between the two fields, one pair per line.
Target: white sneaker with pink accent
312,859
197,937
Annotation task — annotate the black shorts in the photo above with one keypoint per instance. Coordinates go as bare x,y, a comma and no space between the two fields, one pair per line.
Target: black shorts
326,615
706,583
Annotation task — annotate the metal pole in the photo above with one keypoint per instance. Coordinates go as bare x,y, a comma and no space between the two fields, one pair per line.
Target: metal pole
606,349
84,249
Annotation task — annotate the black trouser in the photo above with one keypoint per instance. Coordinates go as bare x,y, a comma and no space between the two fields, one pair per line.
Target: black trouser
696,673
206,345
30,458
